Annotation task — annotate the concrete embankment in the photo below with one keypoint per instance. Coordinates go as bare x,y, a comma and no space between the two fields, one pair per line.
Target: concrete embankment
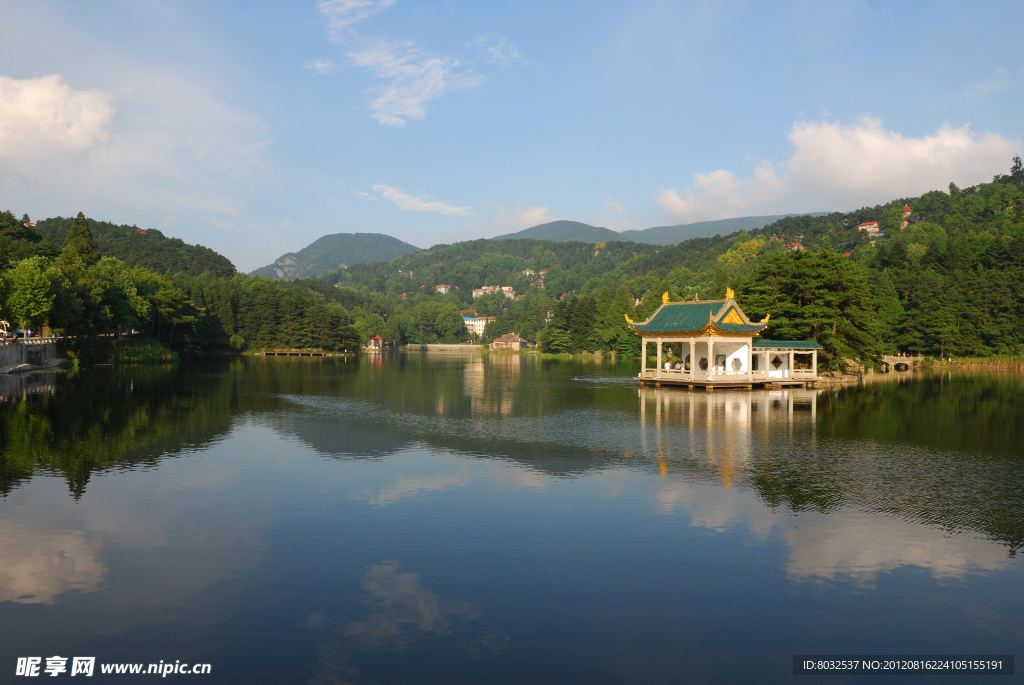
448,349
25,355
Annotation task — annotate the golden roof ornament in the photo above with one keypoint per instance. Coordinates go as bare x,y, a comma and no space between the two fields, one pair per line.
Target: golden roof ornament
664,297
628,320
766,317
729,294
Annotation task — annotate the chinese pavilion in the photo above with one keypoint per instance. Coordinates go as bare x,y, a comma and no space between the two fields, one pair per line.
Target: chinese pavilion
712,344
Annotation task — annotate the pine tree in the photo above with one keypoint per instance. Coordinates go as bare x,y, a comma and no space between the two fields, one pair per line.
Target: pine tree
890,311
80,239
583,327
821,296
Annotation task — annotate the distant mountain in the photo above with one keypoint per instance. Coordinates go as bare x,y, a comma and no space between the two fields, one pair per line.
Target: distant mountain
332,251
149,248
574,231
564,231
671,235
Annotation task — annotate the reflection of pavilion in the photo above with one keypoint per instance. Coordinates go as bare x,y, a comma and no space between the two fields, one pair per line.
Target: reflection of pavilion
722,426
714,346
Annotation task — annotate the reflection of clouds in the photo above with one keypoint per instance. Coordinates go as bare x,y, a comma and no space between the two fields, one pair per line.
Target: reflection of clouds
37,564
404,611
859,545
519,477
714,509
411,487
845,543
405,607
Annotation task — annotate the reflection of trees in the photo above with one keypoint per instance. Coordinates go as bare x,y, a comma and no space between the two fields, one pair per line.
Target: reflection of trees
936,451
108,418
940,452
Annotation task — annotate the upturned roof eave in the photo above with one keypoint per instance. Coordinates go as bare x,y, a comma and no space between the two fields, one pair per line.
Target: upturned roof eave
704,330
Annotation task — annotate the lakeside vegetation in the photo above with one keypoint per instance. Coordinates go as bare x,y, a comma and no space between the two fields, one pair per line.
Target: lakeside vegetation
79,291
135,351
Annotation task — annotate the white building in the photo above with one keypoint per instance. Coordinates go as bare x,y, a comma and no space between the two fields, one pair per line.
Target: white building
476,324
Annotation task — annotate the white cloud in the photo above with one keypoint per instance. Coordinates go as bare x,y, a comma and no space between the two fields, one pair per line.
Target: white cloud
835,166
413,203
721,194
321,66
866,164
501,52
171,158
413,79
520,218
617,220
43,116
342,15
999,81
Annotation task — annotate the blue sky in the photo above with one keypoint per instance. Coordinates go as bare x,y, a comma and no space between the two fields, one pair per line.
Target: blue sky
256,127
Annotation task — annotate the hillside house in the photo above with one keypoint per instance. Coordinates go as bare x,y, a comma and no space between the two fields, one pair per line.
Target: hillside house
507,291
442,289
509,341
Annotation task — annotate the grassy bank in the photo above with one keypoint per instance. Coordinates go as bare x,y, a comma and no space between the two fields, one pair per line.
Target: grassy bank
143,351
995,363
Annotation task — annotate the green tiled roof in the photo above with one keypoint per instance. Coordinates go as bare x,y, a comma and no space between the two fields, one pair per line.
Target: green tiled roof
787,344
691,316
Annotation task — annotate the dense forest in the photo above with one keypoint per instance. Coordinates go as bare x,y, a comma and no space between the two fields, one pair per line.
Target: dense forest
78,290
949,282
136,247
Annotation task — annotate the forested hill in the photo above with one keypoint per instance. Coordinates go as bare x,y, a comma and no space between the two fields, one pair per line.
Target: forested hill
563,231
574,231
332,251
149,248
949,281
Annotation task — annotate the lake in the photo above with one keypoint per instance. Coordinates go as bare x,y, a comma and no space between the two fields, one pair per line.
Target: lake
503,519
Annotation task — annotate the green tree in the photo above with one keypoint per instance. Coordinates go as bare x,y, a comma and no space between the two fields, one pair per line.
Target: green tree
80,239
32,287
819,296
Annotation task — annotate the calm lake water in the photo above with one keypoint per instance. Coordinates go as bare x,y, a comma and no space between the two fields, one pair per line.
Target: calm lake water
493,520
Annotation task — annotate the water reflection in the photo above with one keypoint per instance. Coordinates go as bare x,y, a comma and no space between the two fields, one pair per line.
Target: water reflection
38,563
542,522
859,545
403,610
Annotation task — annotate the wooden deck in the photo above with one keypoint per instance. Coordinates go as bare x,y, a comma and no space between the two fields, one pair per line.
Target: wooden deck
744,384
795,378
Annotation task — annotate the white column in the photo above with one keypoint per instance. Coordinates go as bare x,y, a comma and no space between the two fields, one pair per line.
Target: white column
814,362
657,373
790,374
643,357
711,357
750,359
693,357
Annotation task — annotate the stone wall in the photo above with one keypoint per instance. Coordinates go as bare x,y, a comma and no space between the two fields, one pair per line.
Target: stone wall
34,351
